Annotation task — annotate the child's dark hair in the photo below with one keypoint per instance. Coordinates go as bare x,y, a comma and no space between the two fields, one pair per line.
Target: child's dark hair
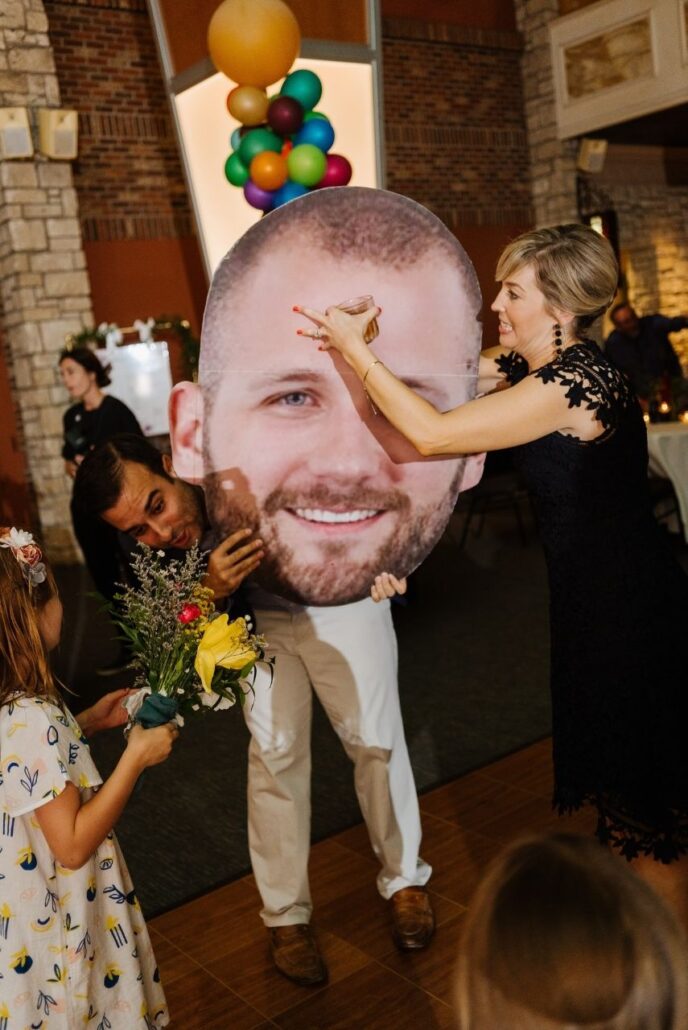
88,360
24,665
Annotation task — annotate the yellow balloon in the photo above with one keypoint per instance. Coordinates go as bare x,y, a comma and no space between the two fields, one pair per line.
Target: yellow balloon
254,42
248,104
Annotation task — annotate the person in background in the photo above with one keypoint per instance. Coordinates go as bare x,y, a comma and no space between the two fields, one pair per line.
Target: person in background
641,349
75,949
93,419
562,935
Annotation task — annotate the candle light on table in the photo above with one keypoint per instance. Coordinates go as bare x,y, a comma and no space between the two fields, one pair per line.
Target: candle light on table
646,417
683,417
664,408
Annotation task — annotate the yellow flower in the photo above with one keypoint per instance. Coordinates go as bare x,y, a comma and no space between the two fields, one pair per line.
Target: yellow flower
226,644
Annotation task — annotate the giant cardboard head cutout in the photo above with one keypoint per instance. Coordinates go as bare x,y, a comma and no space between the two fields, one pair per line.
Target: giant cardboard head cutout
282,435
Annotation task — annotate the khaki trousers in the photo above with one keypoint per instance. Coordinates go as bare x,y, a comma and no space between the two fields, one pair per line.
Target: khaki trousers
348,656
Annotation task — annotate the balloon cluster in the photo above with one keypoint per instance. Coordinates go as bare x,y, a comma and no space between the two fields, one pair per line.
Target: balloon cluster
282,149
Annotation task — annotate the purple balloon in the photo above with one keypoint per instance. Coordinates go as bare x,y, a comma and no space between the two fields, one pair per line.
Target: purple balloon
256,197
285,115
338,171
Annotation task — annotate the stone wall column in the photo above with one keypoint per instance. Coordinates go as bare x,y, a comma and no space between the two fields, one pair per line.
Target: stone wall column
552,161
44,287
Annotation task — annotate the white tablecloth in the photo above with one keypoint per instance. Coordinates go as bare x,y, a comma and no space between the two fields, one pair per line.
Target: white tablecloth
667,444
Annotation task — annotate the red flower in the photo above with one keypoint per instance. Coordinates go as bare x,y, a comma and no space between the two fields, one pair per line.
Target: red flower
189,613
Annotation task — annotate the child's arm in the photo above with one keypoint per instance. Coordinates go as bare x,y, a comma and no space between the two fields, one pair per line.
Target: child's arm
105,714
74,831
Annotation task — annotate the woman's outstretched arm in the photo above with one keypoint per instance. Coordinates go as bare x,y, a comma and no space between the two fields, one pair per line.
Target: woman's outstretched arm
510,417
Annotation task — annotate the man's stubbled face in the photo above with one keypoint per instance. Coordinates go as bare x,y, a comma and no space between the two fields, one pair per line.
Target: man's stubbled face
292,446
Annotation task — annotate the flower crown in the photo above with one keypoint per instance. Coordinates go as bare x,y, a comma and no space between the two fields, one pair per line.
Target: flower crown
26,551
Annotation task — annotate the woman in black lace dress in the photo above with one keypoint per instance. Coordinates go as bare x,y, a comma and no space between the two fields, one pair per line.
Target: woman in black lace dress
618,600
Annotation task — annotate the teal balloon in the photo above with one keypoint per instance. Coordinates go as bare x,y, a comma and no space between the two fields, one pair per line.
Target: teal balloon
310,115
235,139
306,164
256,141
290,191
236,171
304,86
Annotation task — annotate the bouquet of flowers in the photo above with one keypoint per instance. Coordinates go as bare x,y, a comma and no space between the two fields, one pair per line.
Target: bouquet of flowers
189,657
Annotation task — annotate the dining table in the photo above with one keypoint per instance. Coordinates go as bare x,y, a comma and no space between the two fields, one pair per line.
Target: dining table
667,444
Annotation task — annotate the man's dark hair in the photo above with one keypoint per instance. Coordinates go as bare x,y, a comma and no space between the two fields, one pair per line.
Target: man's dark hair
98,481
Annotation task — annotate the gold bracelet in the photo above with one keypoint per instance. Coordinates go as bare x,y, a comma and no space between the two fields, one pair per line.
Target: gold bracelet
372,364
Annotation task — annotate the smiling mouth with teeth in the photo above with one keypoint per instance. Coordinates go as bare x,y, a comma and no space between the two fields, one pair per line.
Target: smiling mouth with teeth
322,515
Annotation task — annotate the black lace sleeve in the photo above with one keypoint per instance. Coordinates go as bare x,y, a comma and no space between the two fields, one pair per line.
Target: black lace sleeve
590,381
512,366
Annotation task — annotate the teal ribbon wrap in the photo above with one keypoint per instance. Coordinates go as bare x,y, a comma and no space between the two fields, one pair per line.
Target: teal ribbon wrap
156,710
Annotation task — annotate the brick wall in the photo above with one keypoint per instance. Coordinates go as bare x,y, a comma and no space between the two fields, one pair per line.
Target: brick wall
454,124
128,175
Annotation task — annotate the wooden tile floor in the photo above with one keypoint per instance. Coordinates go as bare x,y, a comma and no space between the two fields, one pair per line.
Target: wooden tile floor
213,952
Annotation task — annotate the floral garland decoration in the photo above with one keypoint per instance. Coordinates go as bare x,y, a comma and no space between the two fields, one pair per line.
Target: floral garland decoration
109,333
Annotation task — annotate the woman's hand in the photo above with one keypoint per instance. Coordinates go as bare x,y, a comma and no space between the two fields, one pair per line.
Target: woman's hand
150,747
106,714
386,585
338,330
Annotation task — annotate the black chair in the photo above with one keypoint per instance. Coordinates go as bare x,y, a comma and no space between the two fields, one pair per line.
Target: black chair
500,489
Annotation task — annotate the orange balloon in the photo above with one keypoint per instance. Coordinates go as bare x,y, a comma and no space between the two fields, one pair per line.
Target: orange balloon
248,104
268,170
254,42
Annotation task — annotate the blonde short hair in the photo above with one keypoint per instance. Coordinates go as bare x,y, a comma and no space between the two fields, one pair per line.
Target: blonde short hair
575,268
562,934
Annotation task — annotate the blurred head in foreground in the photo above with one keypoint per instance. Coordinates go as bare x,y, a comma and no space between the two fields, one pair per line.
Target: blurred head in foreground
562,935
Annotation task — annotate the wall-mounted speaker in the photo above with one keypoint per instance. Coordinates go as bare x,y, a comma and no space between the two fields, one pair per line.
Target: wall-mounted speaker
591,155
15,133
58,133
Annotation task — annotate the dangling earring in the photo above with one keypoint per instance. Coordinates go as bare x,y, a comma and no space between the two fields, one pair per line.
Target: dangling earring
559,338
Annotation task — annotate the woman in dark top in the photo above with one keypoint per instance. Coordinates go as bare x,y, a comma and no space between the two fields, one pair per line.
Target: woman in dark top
94,419
618,600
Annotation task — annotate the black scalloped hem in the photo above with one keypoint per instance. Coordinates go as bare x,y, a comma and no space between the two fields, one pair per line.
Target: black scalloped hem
665,842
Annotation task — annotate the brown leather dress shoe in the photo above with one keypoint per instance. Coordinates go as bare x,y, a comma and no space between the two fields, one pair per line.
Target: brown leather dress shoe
295,953
413,918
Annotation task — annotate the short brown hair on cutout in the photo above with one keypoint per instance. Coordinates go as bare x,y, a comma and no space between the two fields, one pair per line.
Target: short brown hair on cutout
563,934
575,268
351,222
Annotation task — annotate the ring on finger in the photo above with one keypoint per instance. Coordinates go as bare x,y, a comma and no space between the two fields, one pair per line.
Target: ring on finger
318,333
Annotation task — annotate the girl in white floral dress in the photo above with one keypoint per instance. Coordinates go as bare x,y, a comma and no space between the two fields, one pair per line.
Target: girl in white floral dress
74,949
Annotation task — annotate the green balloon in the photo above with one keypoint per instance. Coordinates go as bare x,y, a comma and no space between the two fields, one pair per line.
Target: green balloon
236,171
306,164
309,115
256,141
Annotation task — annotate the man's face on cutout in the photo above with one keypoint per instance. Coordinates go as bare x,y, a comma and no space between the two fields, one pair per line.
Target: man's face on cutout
291,444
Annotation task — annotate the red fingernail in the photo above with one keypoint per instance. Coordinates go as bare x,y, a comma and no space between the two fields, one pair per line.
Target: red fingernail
296,308
299,332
